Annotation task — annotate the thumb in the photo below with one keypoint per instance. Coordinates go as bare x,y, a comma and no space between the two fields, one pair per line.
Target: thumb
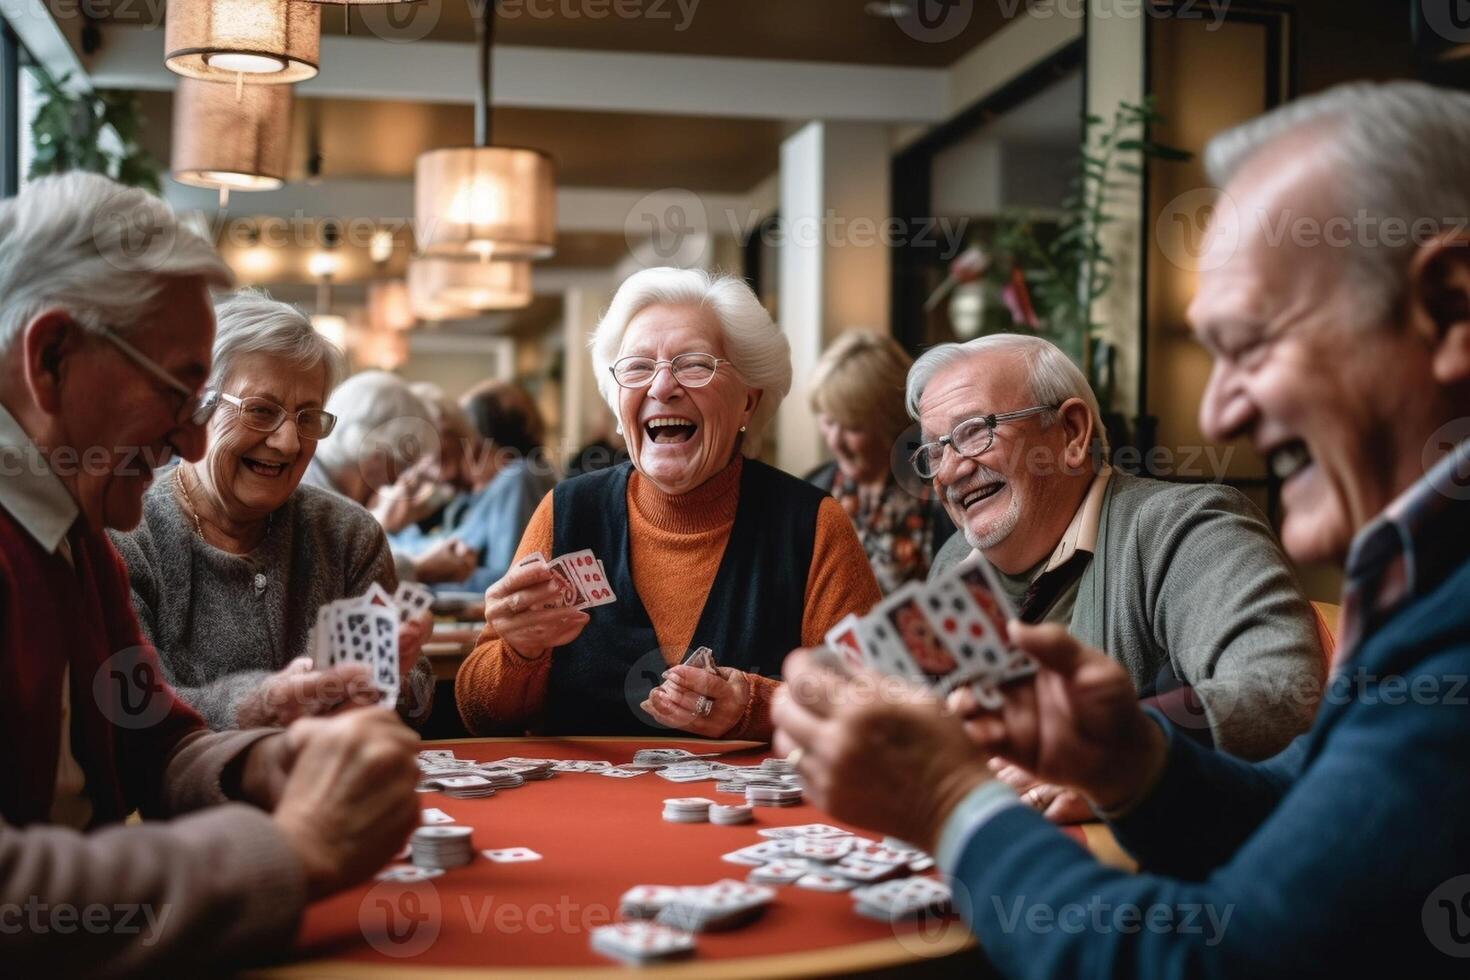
1051,645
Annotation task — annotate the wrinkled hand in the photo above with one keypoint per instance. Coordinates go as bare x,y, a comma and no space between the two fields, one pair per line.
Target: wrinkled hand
410,498
673,702
412,635
1077,723
875,751
1057,803
525,608
348,802
450,560
297,691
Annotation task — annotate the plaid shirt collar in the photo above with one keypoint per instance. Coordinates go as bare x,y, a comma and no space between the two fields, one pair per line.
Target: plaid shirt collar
1409,549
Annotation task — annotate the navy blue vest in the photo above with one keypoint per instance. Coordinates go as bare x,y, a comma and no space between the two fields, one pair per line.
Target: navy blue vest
751,619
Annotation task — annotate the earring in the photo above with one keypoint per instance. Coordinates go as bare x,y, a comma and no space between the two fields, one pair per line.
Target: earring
742,428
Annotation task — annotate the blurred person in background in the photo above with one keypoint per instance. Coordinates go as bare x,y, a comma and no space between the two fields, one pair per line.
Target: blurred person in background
386,444
507,470
857,393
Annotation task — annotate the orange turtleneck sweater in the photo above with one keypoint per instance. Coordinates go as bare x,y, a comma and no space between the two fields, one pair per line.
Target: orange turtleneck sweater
498,688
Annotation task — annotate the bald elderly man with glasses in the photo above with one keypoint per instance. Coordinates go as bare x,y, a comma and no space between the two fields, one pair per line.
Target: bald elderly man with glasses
1184,584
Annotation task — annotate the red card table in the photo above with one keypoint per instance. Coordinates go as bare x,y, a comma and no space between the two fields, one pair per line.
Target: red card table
599,836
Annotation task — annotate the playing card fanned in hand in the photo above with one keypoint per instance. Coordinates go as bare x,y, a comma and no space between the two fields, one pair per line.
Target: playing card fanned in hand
579,575
945,634
365,630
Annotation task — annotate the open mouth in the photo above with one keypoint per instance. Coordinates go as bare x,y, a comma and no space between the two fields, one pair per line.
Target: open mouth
670,429
262,468
981,493
1289,459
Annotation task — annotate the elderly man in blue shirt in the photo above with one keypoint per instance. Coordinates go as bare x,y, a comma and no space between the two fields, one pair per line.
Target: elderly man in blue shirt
1344,356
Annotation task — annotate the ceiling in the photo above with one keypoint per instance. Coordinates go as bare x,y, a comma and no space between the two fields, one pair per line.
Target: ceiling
799,30
358,138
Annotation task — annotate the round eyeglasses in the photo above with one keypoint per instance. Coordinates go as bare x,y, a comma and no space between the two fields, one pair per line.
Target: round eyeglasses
264,415
970,438
692,370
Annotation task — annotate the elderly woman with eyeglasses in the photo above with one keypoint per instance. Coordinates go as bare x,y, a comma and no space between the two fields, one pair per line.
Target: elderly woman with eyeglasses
234,556
703,545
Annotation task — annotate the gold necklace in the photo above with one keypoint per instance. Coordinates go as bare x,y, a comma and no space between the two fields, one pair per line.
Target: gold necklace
188,501
189,504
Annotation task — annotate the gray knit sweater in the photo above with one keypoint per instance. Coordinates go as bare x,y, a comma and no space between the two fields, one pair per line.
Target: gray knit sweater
218,635
1191,578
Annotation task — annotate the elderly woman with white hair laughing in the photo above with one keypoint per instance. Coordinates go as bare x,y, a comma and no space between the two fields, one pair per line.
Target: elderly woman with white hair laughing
235,555
703,545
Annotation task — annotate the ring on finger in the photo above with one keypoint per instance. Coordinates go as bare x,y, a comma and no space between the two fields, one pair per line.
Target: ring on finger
703,706
515,602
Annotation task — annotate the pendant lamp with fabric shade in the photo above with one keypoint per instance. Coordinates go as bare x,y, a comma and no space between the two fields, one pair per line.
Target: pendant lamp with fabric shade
271,42
488,201
229,139
467,285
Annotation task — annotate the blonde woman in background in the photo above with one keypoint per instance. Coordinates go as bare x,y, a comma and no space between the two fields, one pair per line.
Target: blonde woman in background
857,395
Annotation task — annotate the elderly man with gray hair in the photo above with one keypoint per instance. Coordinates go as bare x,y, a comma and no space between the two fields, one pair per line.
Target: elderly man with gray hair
234,556
1122,561
105,335
387,450
1346,362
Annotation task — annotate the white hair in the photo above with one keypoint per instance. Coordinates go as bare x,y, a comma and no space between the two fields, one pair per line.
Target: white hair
1050,373
444,412
1396,153
754,345
250,322
96,249
377,412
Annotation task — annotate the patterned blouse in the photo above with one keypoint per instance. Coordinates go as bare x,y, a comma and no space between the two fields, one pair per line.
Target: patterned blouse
897,529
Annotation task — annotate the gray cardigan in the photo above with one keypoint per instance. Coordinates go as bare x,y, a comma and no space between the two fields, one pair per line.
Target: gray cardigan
218,636
1190,576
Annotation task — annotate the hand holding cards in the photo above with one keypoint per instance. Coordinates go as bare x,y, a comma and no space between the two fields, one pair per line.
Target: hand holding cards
365,630
580,576
945,634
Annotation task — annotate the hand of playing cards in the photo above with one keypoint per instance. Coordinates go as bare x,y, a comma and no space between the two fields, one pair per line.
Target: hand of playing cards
580,575
944,634
365,630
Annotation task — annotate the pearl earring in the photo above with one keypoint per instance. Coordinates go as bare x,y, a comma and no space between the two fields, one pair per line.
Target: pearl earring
742,428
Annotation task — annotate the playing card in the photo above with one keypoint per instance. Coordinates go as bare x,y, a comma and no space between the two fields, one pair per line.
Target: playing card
376,595
512,855
591,578
820,881
572,594
704,658
843,640
980,653
901,612
412,599
618,772
884,649
434,815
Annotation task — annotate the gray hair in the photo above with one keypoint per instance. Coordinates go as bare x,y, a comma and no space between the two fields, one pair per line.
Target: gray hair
1050,373
101,251
1396,152
377,412
444,412
250,322
754,344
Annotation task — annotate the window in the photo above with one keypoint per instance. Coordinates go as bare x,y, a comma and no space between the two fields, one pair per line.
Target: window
9,112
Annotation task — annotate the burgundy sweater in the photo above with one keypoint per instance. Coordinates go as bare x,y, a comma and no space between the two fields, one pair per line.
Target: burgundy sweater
221,884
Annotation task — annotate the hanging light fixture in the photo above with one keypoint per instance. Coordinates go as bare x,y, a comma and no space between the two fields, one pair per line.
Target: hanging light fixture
490,201
388,306
471,284
230,140
272,42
